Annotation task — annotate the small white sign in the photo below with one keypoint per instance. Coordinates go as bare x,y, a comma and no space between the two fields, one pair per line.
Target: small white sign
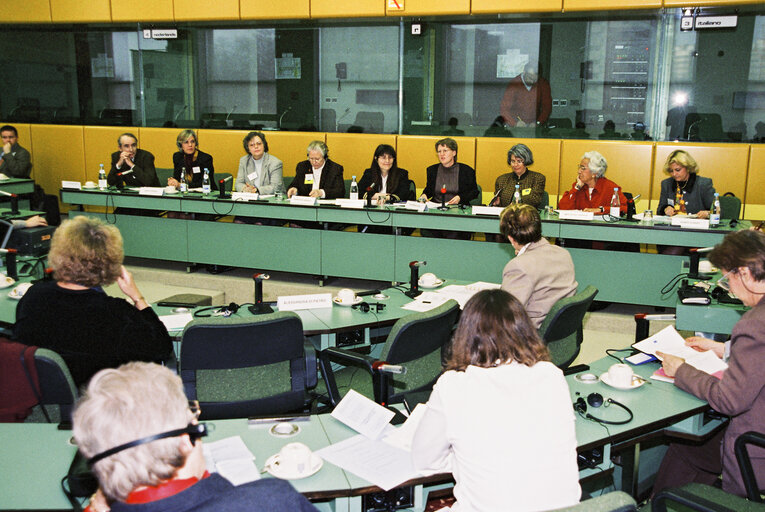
151,191
494,211
416,206
245,196
164,33
303,200
313,301
575,215
349,203
705,22
76,185
688,223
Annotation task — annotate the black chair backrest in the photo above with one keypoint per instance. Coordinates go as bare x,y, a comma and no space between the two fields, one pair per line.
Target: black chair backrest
745,463
56,384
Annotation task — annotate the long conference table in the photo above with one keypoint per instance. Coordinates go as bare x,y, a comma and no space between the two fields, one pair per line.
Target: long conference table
628,277
36,456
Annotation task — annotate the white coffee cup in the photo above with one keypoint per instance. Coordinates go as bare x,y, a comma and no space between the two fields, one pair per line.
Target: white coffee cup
346,296
428,279
170,189
620,375
294,458
90,184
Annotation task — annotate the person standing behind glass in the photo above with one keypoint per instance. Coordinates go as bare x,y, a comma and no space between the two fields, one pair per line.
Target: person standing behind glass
390,183
532,184
685,192
259,171
195,162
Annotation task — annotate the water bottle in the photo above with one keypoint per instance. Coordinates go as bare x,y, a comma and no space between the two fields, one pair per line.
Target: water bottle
354,189
206,183
102,178
714,215
615,206
184,185
517,194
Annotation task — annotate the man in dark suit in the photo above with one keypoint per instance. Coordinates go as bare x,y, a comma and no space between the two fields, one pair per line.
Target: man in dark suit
132,166
14,160
318,176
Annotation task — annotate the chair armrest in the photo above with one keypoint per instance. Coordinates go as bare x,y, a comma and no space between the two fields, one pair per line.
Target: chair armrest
683,496
330,355
311,368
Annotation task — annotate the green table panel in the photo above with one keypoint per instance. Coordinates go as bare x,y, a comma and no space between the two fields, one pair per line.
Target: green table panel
636,233
372,216
351,254
270,208
718,318
116,200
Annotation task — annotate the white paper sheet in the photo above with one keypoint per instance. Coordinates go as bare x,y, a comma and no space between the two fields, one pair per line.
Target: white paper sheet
669,341
232,459
362,414
425,302
403,436
176,322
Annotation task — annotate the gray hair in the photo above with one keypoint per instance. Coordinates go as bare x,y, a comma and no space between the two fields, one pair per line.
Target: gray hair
318,145
598,164
521,151
121,405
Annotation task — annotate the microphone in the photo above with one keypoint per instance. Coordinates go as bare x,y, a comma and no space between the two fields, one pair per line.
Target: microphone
282,117
14,201
8,251
701,250
631,208
222,187
180,112
7,194
10,262
259,308
414,278
443,198
369,194
384,367
125,173
230,112
693,267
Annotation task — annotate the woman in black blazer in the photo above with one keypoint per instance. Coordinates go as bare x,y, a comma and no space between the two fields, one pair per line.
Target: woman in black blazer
194,161
388,182
461,190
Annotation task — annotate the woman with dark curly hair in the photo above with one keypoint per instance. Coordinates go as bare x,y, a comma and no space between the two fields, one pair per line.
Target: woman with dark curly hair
74,317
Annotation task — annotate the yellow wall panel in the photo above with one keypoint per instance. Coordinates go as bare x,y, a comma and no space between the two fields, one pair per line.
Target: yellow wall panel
100,142
495,6
417,153
491,162
225,146
26,11
755,184
142,10
354,151
629,165
347,8
201,10
78,11
726,164
599,5
266,10
59,154
160,142
290,147
428,7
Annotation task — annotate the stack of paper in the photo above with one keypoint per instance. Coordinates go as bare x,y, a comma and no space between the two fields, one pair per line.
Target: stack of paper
669,341
231,458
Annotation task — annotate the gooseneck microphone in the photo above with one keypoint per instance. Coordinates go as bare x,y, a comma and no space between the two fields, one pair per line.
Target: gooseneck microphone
222,187
369,194
693,267
258,308
382,366
14,201
414,278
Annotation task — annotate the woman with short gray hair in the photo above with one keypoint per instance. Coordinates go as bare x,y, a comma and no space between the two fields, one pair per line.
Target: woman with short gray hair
531,185
592,191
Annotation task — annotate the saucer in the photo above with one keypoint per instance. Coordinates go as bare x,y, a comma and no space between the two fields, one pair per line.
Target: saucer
357,300
3,177
295,429
167,192
14,296
6,281
274,469
438,283
90,188
637,381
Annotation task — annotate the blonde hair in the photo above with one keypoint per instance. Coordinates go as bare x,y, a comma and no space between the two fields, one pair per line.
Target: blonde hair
121,405
86,251
683,159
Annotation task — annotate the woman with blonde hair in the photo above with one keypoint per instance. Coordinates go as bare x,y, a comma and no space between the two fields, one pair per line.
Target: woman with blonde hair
500,417
192,161
685,192
74,317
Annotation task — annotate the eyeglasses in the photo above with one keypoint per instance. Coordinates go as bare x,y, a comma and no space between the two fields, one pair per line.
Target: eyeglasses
724,282
195,409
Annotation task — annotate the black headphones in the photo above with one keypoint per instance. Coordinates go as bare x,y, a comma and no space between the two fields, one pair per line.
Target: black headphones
366,307
225,311
194,430
595,400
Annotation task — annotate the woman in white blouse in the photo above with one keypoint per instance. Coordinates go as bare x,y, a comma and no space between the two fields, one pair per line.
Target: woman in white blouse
500,417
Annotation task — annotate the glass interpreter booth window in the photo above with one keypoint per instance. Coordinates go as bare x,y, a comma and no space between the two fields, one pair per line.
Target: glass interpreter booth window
632,75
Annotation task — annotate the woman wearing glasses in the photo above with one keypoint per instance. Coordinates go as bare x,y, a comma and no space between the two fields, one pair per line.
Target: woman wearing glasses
740,393
592,191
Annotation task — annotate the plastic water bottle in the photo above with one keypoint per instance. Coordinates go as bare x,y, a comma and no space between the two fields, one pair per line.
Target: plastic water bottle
354,189
714,215
102,178
517,194
206,183
184,185
615,206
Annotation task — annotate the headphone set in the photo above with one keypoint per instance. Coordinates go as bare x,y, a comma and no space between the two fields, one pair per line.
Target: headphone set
194,431
366,307
225,311
596,400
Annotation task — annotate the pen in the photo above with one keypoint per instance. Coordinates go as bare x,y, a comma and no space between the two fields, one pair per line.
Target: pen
406,406
426,302
759,226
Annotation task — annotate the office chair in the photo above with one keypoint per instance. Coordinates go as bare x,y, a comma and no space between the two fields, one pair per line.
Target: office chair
730,206
561,329
616,501
415,342
545,202
479,198
246,367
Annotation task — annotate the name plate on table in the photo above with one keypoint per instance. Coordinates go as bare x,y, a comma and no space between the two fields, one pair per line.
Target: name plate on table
303,200
575,215
416,206
494,211
151,191
75,185
245,196
688,223
350,203
313,301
